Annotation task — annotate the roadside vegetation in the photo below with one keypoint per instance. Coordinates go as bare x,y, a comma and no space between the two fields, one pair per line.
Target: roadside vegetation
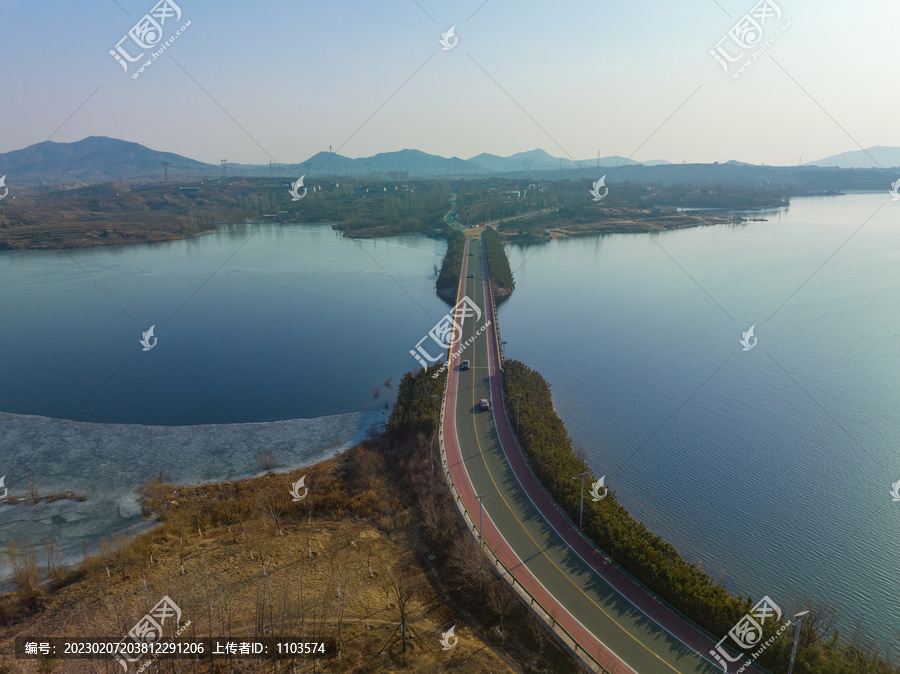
498,263
448,279
374,558
656,564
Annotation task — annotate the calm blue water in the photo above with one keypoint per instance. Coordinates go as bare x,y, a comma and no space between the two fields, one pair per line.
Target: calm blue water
770,467
253,324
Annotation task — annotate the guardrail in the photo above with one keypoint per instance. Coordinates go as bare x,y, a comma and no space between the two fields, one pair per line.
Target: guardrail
524,595
559,509
561,634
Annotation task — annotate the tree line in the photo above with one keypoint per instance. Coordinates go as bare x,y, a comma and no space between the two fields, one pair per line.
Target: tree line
653,562
498,264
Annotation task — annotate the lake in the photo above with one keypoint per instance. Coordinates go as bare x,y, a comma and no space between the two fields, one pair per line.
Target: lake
266,337
771,467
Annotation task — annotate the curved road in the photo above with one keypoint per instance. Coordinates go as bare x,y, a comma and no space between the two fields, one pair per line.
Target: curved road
618,623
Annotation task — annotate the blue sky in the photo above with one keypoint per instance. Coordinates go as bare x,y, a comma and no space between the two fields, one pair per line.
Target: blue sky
283,80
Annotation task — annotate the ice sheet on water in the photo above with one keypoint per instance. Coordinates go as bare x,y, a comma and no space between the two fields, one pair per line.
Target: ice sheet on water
108,462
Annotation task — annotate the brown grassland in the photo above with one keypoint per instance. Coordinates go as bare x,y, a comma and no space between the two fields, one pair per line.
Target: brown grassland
374,547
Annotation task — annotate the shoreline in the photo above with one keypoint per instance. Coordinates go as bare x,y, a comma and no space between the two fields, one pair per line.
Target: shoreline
110,462
623,225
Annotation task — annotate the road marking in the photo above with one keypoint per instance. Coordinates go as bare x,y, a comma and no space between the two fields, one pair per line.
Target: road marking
503,538
567,546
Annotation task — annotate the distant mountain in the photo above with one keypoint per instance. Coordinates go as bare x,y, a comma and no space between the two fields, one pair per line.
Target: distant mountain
91,160
533,160
100,159
539,160
873,157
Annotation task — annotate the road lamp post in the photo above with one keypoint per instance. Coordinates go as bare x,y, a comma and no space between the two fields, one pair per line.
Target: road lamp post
581,476
796,638
481,498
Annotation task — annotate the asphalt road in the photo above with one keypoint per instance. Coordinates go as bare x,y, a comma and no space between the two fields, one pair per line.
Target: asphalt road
613,619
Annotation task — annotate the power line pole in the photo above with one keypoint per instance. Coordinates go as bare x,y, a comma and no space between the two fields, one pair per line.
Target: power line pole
224,169
581,508
165,171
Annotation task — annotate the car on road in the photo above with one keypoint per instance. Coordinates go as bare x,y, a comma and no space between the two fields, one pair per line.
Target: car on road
485,404
471,253
471,276
464,365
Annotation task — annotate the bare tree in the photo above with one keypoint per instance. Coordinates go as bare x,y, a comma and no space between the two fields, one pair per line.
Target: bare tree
120,555
24,564
474,571
105,550
404,591
266,460
54,560
541,636
820,622
196,509
234,515
500,598
272,507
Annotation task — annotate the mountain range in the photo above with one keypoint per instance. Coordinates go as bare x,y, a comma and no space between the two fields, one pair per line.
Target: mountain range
101,159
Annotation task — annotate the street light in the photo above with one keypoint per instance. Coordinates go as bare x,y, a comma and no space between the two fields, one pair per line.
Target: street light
796,638
581,508
480,498
434,396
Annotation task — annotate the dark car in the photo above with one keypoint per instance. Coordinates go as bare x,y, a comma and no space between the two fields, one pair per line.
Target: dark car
465,365
471,276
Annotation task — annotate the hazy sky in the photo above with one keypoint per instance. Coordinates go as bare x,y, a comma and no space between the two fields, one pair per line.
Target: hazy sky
282,80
